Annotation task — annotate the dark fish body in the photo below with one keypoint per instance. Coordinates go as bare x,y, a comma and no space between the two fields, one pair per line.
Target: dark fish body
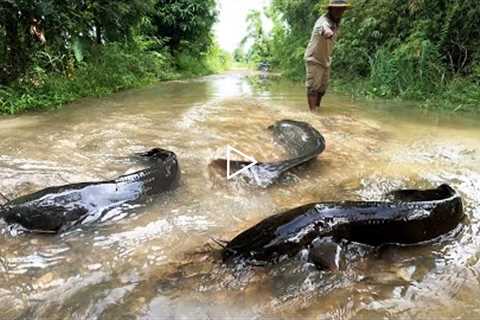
302,143
57,209
411,217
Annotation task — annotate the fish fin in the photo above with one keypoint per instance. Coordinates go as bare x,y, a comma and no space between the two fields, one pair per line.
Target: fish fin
222,243
256,263
71,224
5,197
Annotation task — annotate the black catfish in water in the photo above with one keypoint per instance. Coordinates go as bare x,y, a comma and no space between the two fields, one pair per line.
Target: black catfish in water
302,143
411,217
58,209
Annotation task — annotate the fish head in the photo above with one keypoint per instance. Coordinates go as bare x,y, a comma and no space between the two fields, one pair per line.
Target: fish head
158,154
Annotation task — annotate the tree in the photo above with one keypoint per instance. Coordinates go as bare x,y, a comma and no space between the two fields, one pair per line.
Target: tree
447,31
73,28
15,19
259,50
185,23
239,54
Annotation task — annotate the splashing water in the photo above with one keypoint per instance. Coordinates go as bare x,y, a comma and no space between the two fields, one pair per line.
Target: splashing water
158,261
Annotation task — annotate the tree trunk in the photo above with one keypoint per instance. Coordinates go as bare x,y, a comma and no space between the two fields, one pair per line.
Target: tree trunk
98,33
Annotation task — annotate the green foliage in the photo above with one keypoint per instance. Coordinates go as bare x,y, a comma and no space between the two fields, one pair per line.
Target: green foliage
260,50
95,47
79,48
185,24
409,70
239,55
74,28
414,49
459,94
110,68
452,27
215,60
64,24
293,21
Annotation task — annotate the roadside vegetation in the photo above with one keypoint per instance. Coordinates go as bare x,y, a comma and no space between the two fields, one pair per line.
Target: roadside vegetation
53,52
422,50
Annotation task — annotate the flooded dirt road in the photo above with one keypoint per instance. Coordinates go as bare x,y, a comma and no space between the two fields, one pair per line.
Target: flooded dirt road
160,263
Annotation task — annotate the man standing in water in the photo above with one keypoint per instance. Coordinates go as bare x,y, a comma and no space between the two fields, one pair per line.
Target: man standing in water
318,55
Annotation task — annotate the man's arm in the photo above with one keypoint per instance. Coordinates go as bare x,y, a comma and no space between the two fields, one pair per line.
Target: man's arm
323,29
327,32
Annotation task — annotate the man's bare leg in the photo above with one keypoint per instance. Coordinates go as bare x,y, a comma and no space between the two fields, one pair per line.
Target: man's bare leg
312,102
319,99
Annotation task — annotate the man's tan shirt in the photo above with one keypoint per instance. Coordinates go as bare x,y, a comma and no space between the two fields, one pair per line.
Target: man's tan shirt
319,50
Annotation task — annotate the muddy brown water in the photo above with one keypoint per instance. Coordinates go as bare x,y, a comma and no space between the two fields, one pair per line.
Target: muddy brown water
160,263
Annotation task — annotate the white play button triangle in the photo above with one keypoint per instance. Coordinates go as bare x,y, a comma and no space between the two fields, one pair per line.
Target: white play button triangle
231,150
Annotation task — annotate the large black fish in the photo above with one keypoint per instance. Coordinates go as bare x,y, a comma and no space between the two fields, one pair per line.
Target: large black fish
411,217
301,141
57,209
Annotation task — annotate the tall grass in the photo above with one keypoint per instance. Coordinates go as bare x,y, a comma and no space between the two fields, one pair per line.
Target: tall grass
410,70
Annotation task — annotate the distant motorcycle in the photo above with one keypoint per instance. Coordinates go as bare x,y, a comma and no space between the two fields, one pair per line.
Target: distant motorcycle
264,66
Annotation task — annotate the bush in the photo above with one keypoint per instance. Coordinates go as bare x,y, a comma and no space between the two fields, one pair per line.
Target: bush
458,95
422,49
57,51
410,70
109,69
215,60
